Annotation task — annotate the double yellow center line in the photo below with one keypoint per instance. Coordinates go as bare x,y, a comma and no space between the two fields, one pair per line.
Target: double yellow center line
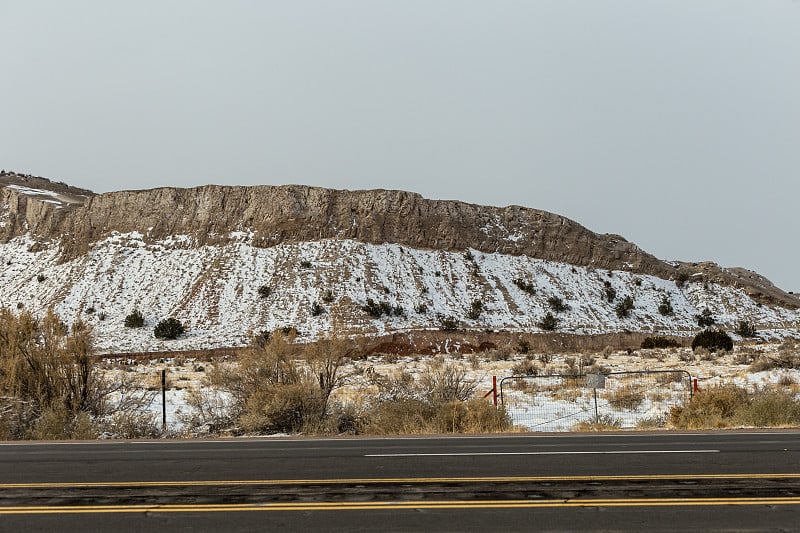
395,505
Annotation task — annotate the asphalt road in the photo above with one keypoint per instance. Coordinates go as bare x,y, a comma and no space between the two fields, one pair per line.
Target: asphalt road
628,482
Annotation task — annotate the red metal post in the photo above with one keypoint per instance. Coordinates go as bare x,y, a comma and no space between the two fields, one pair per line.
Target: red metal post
494,390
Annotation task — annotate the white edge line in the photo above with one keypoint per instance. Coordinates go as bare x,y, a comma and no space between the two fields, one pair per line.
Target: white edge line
626,452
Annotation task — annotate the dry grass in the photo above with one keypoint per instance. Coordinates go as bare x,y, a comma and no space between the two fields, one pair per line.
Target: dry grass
627,396
602,423
732,406
567,394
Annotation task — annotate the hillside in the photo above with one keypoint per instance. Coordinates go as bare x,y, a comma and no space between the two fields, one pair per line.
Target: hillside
201,255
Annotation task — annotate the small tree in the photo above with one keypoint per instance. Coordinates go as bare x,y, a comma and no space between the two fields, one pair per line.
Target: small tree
624,308
475,310
665,307
169,328
705,319
557,304
712,340
317,309
610,292
264,291
746,329
448,323
135,319
548,322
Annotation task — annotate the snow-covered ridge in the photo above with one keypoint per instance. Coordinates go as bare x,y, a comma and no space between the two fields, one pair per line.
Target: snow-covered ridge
214,290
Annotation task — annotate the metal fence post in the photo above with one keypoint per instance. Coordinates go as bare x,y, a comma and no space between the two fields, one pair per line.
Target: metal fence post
164,398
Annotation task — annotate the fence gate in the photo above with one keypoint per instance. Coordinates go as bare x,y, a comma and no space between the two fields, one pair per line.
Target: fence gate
618,399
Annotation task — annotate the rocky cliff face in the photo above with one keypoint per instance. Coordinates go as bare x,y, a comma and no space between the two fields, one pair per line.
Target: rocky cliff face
274,215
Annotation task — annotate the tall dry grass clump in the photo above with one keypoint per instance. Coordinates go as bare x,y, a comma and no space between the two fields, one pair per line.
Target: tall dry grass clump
734,406
50,387
279,386
440,400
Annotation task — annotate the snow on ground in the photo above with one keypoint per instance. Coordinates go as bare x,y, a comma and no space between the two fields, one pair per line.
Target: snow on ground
214,291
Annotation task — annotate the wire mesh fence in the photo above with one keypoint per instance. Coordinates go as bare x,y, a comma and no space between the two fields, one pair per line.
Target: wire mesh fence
582,401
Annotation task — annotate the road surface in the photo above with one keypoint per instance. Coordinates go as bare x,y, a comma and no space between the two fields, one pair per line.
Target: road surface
628,482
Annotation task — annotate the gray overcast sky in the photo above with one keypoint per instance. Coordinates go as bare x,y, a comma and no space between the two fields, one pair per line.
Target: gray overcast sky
673,123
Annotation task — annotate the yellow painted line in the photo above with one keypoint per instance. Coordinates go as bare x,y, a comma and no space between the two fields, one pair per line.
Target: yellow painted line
376,506
373,481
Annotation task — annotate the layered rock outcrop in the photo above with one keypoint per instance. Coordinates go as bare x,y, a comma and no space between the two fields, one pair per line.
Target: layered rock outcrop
293,213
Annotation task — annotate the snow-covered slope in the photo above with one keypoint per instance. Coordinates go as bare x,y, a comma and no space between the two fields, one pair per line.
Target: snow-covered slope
214,290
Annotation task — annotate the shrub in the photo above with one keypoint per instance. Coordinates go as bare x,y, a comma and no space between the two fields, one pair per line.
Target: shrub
712,340
610,292
377,309
420,309
305,264
601,423
40,278
713,407
327,297
90,310
134,320
623,309
780,360
730,405
665,307
746,329
659,342
524,286
49,384
264,291
476,307
448,323
681,278
557,304
169,328
770,408
705,319
526,367
548,322
317,309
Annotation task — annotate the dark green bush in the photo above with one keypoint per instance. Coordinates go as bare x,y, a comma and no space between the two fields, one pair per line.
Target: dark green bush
264,291
448,323
659,342
611,292
623,309
746,329
705,319
557,304
305,264
327,297
377,309
169,328
317,309
476,307
712,340
134,320
548,322
665,307
524,286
